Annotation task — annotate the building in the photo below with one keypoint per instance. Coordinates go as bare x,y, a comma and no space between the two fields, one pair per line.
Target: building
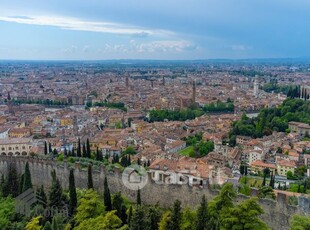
256,155
256,88
15,146
298,127
258,166
19,132
283,166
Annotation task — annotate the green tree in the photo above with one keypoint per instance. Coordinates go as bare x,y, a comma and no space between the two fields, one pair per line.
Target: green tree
165,221
119,205
138,220
107,195
21,184
56,196
220,204
176,217
153,217
88,148
72,193
90,206
27,178
89,177
7,211
244,216
202,214
79,154
58,222
300,222
189,218
42,195
34,223
47,226
266,192
110,221
12,182
45,148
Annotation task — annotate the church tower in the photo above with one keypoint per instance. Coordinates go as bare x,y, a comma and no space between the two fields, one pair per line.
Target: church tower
10,106
194,92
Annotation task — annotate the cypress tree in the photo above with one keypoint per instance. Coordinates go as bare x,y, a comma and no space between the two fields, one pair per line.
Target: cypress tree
42,196
21,184
2,184
45,148
271,180
11,183
129,160
47,226
176,215
56,197
65,152
72,193
119,206
138,220
299,188
138,197
49,147
88,148
202,214
84,150
79,148
305,186
264,181
107,195
90,177
139,161
73,153
129,215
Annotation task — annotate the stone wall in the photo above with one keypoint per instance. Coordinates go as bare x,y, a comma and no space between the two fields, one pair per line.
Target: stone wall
277,213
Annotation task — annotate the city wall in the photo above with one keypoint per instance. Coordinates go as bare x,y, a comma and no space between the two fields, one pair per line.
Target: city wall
277,213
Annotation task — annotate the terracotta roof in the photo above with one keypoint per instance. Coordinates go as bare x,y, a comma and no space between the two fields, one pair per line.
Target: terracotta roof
259,163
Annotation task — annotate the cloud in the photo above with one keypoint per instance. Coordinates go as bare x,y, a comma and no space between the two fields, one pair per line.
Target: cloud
240,47
163,46
84,25
72,49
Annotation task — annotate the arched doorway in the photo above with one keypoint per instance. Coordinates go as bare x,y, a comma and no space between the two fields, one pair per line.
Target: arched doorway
17,153
3,154
10,154
24,153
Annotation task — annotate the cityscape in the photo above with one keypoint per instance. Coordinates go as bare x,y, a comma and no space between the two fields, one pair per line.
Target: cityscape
170,130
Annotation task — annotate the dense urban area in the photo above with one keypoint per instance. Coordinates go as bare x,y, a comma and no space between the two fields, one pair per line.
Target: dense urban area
235,128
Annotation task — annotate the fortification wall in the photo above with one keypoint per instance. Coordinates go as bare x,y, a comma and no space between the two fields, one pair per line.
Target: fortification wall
277,213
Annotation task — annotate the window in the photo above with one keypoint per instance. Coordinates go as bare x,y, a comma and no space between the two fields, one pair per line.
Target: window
23,147
10,148
16,147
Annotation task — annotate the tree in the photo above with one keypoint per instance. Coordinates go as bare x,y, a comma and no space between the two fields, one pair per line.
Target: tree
266,192
129,215
300,222
42,196
138,220
72,193
189,219
202,214
11,183
21,184
119,206
27,178
7,212
153,217
84,151
138,197
110,221
56,196
165,221
45,148
79,149
176,216
264,181
73,152
107,195
34,223
58,222
90,206
244,216
88,148
89,177
220,204
47,226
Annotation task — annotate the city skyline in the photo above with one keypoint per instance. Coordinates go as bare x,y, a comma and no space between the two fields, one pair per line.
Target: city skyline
165,30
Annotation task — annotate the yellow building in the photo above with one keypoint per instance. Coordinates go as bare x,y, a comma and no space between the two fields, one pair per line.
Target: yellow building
283,166
258,166
66,121
19,132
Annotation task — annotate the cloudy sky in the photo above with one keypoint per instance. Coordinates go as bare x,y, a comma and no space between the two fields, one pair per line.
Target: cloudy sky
153,29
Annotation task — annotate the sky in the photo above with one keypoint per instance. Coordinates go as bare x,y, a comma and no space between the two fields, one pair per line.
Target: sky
154,29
